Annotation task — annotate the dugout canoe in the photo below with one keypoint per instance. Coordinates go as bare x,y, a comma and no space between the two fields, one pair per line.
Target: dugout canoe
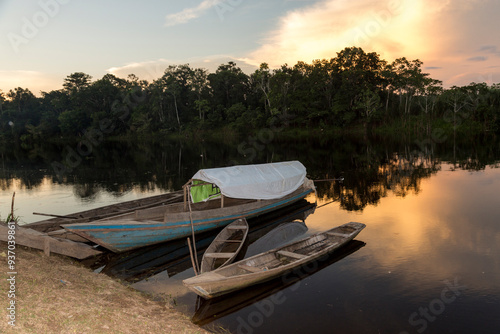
271,264
226,246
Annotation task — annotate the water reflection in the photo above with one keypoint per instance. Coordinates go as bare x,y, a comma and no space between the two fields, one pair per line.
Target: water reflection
372,170
432,215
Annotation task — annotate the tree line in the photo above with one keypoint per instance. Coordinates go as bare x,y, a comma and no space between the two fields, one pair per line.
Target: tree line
355,89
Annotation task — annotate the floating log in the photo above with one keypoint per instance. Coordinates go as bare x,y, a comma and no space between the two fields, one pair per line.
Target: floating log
34,239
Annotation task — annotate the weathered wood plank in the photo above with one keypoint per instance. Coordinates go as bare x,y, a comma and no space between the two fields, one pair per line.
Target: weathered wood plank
65,234
237,227
34,239
219,255
46,245
249,268
344,235
291,254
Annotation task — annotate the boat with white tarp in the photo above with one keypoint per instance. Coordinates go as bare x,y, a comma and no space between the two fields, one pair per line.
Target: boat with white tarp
212,199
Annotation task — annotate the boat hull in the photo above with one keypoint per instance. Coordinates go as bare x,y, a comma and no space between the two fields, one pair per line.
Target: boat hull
226,246
236,276
124,233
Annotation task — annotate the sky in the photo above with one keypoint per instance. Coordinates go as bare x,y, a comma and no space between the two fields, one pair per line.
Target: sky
44,41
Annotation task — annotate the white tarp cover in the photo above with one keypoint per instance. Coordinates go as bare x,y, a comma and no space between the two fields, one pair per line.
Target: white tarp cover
266,181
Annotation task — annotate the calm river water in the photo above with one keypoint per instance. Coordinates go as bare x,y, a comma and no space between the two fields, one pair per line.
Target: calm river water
428,260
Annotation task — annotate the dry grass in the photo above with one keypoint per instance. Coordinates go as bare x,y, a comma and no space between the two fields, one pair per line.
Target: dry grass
58,295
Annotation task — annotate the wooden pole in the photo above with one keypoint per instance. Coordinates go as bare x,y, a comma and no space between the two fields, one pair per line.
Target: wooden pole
191,254
52,215
185,196
192,228
12,207
327,180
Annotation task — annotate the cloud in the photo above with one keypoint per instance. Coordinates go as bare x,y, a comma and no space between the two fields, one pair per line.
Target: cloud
189,14
443,33
433,67
154,69
490,49
148,70
488,76
478,58
392,28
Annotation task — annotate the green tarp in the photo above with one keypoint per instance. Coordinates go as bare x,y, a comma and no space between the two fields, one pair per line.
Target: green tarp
200,193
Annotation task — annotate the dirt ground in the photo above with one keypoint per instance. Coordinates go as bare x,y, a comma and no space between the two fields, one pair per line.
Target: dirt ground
58,295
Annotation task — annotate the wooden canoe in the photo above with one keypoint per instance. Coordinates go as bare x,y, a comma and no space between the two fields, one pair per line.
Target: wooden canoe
271,264
53,227
209,310
164,223
226,246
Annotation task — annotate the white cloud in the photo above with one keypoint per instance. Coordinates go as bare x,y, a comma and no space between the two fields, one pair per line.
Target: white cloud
152,70
147,70
319,31
189,14
440,33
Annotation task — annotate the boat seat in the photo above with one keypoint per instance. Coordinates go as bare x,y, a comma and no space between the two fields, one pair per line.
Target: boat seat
219,255
237,227
344,235
249,268
291,254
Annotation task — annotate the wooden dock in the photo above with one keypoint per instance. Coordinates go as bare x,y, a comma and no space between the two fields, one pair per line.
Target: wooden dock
34,239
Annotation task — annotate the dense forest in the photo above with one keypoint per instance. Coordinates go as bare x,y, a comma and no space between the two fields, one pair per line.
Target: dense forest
354,90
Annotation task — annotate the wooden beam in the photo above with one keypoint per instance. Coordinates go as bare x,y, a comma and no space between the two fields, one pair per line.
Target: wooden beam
249,268
339,234
237,227
219,255
52,215
34,239
46,245
292,255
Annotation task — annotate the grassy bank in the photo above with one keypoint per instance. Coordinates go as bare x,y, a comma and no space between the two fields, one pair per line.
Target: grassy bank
58,295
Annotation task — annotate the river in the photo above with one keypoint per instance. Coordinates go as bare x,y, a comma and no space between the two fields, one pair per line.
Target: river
428,260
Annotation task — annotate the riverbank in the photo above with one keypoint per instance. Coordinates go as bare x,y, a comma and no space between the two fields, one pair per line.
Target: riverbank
59,295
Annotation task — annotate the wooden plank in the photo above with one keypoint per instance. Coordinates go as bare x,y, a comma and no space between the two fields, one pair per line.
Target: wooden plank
65,234
46,245
34,239
249,268
219,255
291,254
237,227
52,215
339,234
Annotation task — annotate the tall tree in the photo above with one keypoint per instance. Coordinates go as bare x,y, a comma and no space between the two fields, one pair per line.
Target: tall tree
229,85
260,79
75,82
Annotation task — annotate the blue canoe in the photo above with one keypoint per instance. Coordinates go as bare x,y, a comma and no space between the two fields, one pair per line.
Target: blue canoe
285,181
